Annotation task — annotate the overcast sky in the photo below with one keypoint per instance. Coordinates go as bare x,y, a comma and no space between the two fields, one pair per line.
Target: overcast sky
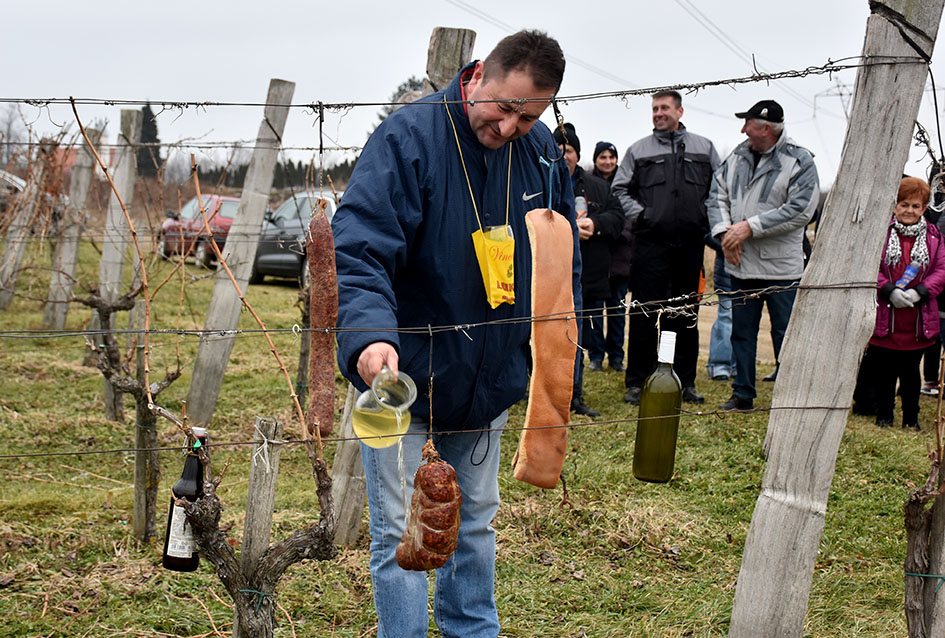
360,50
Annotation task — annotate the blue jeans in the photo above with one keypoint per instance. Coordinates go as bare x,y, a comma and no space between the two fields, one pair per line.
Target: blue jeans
592,337
464,598
616,320
746,318
721,358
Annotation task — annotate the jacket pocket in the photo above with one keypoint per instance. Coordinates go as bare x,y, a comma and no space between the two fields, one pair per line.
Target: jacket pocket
697,173
779,250
652,172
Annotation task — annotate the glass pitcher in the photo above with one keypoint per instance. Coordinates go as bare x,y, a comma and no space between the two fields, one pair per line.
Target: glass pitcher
381,414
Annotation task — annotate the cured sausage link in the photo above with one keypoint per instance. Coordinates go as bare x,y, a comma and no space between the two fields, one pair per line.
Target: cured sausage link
433,524
323,313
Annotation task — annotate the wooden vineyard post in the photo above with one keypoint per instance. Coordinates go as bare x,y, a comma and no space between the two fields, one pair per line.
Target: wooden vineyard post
830,325
117,235
27,205
935,600
147,464
213,353
260,500
67,252
305,345
349,490
450,49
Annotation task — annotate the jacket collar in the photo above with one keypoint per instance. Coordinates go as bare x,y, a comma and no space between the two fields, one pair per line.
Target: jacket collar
455,94
769,161
667,137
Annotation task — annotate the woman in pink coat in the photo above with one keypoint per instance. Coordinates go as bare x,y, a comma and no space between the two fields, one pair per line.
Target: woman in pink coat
911,275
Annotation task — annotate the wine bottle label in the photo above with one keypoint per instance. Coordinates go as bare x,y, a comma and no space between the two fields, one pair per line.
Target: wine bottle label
667,348
180,543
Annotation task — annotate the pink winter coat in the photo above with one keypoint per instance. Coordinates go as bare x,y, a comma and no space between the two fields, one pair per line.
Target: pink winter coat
928,283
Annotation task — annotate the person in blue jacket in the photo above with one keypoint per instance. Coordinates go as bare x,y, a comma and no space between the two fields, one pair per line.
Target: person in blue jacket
471,156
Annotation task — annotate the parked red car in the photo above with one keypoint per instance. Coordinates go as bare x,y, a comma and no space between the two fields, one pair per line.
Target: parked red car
183,234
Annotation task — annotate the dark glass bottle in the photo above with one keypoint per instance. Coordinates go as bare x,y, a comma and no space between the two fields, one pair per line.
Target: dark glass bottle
180,549
654,452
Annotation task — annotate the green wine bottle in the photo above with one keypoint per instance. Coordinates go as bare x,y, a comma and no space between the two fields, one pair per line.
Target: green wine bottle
654,451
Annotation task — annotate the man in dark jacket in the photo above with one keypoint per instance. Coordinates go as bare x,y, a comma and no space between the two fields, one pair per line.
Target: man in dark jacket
433,173
662,182
599,220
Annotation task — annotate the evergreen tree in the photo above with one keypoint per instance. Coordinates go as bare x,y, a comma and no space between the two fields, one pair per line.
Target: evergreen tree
149,153
413,83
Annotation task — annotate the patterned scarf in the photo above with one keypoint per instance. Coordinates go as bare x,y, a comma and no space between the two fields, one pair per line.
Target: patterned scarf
920,249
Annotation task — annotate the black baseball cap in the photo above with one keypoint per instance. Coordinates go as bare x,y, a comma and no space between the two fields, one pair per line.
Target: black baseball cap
764,110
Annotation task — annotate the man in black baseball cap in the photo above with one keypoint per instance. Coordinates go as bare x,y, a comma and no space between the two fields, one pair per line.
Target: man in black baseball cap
762,198
767,110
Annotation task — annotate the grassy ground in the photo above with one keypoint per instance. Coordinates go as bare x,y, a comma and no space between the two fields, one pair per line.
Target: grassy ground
621,558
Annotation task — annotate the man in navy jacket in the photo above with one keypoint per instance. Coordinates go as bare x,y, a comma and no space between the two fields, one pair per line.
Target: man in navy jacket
471,156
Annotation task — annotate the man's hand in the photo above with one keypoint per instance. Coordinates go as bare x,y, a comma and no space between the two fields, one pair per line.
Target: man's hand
585,227
374,357
732,242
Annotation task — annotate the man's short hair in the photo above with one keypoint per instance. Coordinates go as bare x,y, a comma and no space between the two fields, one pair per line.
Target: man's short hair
532,52
677,98
776,127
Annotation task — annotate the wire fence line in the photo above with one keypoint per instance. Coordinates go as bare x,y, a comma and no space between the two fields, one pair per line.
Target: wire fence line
720,415
237,146
319,106
681,305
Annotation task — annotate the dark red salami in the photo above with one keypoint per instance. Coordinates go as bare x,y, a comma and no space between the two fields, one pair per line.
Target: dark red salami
433,524
323,313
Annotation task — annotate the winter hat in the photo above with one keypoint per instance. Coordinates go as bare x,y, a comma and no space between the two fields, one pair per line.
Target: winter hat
571,135
604,146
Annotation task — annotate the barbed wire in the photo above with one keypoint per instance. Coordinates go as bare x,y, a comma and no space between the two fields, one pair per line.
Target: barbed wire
316,106
683,305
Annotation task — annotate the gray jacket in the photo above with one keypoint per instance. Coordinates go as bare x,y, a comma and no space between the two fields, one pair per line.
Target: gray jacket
662,184
778,198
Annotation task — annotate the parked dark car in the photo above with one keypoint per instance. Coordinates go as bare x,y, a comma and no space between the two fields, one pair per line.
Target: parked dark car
281,248
184,233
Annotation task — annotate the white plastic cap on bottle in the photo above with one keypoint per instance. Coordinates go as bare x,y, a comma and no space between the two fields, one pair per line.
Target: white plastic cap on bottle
667,350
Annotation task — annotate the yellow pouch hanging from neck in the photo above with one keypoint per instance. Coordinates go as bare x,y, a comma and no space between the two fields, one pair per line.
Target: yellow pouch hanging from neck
494,245
495,250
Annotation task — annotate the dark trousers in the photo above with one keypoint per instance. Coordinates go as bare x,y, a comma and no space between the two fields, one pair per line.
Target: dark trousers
864,393
930,362
662,271
746,318
888,367
577,389
592,337
616,320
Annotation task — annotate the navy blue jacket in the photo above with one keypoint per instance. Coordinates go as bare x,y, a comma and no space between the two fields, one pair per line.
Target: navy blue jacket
406,261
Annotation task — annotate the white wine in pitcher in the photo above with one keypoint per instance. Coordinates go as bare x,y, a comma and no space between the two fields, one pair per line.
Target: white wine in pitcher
381,415
379,427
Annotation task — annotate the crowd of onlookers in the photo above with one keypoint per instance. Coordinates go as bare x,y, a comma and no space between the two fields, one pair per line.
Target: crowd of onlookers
645,218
